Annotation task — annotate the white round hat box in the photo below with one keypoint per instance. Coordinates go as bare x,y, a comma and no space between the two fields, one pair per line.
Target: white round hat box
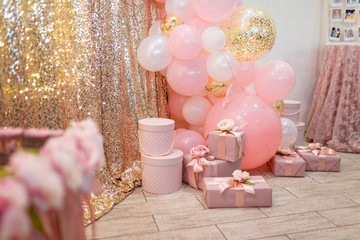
162,175
156,136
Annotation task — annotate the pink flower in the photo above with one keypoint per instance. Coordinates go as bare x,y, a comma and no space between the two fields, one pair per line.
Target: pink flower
226,125
315,146
284,150
241,176
199,151
14,220
43,183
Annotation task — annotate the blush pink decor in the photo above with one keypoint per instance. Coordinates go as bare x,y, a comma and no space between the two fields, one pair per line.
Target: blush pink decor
291,110
335,113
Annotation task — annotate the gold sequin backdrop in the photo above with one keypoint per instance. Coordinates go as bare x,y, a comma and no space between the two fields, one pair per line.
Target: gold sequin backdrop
65,60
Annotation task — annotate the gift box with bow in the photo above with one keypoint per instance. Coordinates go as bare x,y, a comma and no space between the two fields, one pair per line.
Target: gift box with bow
287,164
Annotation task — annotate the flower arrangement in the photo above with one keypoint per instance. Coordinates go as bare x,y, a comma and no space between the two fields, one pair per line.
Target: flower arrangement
241,177
35,183
199,151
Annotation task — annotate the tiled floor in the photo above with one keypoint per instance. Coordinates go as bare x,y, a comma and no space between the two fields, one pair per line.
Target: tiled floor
318,206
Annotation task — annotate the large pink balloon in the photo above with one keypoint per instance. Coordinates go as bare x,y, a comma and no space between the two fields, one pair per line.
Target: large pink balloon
245,73
176,102
275,80
185,140
198,24
214,10
187,77
184,42
263,132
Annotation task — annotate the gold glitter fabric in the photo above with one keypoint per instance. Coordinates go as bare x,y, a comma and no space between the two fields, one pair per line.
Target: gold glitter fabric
67,60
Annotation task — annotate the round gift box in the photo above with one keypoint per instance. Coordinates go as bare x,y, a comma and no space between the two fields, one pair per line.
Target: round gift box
156,136
300,137
291,110
163,174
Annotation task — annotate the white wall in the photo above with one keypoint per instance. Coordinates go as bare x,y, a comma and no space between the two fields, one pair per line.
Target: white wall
299,42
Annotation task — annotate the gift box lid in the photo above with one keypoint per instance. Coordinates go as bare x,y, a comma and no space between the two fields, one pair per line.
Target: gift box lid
156,124
173,158
288,102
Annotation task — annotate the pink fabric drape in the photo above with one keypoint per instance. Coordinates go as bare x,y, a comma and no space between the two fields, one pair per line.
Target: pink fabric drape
335,113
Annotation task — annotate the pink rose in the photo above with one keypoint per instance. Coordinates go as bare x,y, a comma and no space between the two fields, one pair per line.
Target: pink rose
226,125
241,176
14,220
199,151
284,150
315,146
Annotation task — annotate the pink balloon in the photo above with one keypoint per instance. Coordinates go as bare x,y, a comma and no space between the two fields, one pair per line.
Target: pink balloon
245,73
161,1
188,139
198,24
184,42
263,132
163,12
176,102
199,129
195,110
275,80
214,10
187,77
179,130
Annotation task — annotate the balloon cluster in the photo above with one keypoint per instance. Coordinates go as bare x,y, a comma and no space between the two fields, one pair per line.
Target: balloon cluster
204,48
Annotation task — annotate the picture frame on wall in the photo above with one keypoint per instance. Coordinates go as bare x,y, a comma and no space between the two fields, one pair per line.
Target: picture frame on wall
336,15
335,33
349,15
349,34
351,3
337,3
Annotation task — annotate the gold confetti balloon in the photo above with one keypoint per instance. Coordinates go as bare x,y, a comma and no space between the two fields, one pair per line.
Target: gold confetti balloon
278,106
250,33
168,24
216,89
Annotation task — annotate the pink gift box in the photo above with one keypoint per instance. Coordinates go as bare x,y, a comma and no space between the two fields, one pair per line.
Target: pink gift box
320,163
163,174
216,168
227,147
237,197
288,166
291,110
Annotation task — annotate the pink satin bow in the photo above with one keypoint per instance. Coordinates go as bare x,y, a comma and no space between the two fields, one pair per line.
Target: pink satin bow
232,183
198,163
317,149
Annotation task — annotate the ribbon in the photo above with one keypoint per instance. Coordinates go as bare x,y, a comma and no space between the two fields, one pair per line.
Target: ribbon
221,151
288,165
196,166
318,150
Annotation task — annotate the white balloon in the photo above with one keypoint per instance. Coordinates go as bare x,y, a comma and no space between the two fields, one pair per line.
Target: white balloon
155,29
180,8
220,66
153,53
195,110
213,39
289,132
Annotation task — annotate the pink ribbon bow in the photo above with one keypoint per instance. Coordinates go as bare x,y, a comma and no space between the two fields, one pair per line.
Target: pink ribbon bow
198,164
232,183
318,150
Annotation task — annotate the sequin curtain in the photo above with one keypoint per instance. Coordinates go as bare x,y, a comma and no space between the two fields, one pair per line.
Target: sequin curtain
65,60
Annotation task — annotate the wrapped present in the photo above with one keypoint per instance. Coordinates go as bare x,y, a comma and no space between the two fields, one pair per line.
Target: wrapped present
194,170
231,192
319,158
287,164
291,110
227,142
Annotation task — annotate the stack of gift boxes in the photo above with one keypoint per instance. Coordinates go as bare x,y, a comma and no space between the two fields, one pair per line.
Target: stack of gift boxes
292,111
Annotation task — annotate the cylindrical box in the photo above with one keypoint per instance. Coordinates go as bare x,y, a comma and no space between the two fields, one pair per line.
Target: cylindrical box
162,175
156,136
291,110
300,137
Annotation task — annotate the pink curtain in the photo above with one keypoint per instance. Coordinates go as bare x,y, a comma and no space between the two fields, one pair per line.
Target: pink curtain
335,113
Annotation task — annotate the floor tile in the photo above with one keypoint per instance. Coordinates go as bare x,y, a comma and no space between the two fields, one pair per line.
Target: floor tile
342,233
205,217
208,232
293,206
290,181
324,189
349,164
150,208
280,193
135,197
355,196
122,226
276,226
353,156
282,237
325,177
185,192
343,216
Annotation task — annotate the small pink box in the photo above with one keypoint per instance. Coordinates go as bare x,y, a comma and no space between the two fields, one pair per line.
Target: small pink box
216,168
300,137
226,147
288,166
235,197
320,163
163,174
291,110
156,136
